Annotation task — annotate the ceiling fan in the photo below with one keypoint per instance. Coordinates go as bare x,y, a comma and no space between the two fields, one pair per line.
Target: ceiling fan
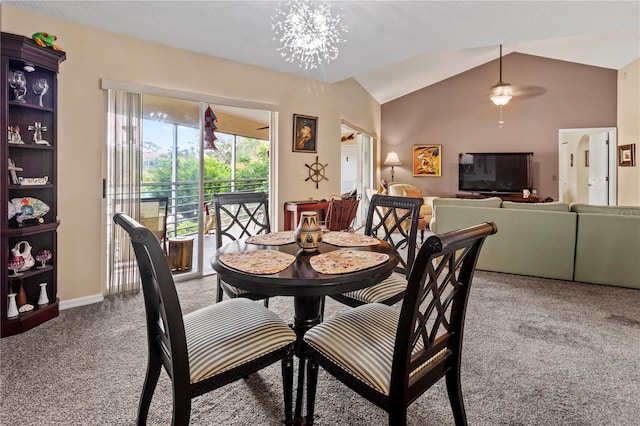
501,93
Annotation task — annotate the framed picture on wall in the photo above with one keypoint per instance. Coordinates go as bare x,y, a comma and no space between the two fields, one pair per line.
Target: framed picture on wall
627,155
305,133
427,160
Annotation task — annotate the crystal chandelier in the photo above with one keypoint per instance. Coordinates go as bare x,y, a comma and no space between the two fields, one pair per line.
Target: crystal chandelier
307,32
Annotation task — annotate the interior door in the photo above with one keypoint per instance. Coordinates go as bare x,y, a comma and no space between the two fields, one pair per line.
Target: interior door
587,165
599,169
348,168
365,174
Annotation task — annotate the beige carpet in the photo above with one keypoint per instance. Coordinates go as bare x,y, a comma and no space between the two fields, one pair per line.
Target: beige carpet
536,352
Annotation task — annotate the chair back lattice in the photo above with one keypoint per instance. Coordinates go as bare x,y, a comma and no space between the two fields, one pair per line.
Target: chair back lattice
165,327
430,329
240,214
341,213
395,220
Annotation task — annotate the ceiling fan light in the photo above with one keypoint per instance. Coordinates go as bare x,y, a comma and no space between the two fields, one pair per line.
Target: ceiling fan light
501,93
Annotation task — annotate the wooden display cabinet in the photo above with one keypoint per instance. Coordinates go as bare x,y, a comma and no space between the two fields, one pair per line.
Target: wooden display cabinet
23,109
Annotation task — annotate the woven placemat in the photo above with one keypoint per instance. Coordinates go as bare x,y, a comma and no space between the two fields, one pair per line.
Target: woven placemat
344,261
349,239
272,239
262,262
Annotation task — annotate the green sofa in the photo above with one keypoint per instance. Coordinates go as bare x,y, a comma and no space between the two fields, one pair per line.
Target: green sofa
608,245
593,244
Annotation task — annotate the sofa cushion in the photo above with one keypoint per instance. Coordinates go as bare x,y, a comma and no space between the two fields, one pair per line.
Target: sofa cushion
414,193
606,210
555,206
608,249
469,202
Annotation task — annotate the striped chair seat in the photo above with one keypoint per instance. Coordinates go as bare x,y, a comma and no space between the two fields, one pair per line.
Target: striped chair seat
361,341
235,291
231,333
384,290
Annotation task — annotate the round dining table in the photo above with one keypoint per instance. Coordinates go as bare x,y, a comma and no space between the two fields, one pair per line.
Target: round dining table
305,284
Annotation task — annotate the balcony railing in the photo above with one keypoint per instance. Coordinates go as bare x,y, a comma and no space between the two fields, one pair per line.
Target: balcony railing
182,217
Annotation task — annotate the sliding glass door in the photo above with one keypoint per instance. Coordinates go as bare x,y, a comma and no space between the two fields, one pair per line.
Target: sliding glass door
177,165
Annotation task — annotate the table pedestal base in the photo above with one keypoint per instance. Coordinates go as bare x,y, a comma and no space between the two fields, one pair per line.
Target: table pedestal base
307,310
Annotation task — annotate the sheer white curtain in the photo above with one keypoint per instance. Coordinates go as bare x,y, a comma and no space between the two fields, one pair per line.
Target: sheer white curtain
122,189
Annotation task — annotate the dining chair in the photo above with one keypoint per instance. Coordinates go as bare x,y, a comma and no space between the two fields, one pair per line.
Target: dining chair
239,215
205,349
394,220
391,356
341,213
153,215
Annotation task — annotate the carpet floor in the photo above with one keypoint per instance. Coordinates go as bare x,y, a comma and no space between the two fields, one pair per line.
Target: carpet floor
536,352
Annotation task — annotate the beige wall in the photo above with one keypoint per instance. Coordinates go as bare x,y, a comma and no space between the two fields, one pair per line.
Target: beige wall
629,131
458,114
93,54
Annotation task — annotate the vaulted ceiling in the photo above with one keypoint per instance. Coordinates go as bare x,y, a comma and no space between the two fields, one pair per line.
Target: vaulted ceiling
392,48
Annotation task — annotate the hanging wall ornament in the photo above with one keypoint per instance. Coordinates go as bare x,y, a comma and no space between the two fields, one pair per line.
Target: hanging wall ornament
209,129
316,172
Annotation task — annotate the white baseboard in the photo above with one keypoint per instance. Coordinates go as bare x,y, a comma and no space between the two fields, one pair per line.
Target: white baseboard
81,301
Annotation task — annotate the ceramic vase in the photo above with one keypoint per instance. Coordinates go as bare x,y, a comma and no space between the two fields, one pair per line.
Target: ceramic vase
12,311
21,298
43,299
308,233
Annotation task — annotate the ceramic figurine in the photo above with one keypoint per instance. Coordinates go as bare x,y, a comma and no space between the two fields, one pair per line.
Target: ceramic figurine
45,40
16,135
38,128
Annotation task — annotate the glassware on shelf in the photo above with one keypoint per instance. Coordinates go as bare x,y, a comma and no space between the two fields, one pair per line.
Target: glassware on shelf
18,82
43,256
40,87
15,264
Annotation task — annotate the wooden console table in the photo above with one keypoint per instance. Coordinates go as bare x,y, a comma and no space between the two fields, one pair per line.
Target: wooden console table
518,198
292,210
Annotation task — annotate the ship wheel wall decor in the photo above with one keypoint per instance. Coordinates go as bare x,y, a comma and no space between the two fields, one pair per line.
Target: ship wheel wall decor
316,172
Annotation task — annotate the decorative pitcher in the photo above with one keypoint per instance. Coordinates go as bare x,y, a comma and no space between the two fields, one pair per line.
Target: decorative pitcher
308,233
23,250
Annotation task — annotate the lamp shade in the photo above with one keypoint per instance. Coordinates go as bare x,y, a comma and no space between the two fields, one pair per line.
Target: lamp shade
392,159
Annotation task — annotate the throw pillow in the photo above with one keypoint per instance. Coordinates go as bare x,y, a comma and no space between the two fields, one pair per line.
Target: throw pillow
413,193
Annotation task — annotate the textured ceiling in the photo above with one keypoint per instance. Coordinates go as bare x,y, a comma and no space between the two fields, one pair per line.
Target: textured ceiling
393,47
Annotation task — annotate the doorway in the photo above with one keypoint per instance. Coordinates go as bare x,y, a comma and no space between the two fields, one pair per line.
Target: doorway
587,166
356,165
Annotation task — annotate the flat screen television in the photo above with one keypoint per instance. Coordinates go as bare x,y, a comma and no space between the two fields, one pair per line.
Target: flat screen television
495,172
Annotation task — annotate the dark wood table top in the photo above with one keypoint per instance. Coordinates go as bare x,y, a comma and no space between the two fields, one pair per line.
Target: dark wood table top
300,279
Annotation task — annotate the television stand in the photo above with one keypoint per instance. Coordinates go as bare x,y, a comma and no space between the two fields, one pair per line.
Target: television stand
505,197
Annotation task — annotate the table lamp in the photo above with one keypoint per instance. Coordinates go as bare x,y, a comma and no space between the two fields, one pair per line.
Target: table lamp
392,160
